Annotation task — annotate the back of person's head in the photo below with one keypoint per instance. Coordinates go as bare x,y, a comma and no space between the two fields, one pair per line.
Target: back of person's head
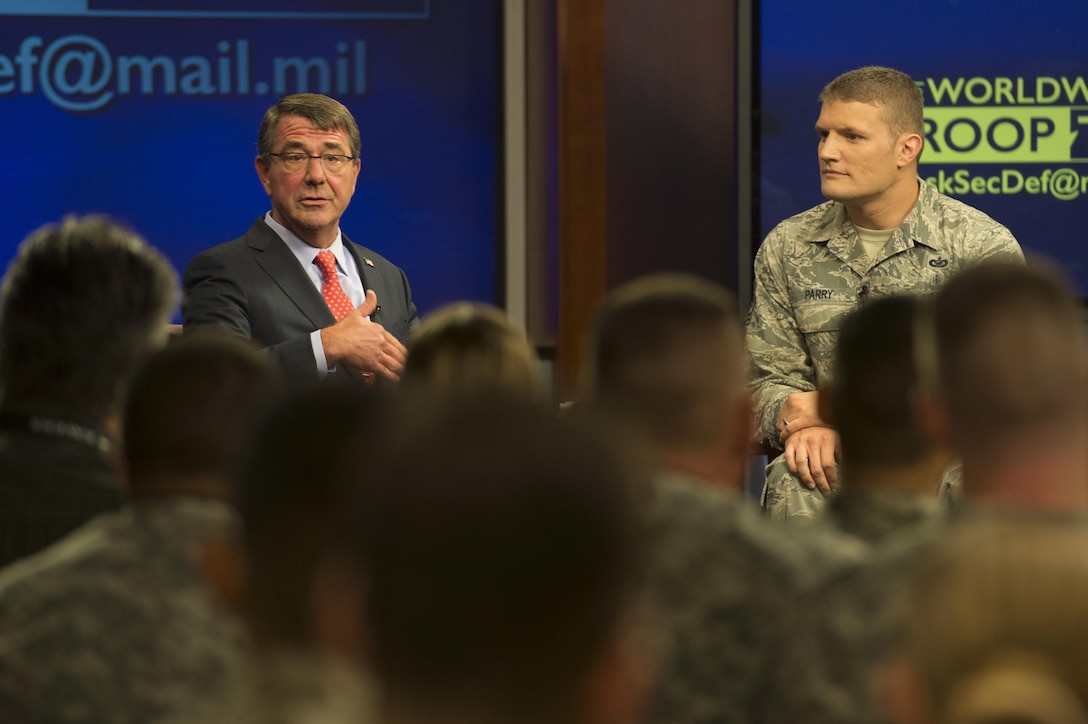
997,633
465,347
289,493
188,409
498,555
83,302
871,396
666,355
1011,363
891,89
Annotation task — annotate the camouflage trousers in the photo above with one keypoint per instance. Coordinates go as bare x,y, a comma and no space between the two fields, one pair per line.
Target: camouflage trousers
950,492
785,497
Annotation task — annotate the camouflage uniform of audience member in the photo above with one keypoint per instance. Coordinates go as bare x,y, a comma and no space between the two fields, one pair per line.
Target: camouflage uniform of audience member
812,270
873,515
121,594
846,625
291,687
841,631
727,582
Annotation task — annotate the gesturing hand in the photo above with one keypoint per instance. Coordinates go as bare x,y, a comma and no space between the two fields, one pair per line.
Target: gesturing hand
358,342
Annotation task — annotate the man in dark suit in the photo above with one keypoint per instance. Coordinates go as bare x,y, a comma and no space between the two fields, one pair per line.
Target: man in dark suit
346,314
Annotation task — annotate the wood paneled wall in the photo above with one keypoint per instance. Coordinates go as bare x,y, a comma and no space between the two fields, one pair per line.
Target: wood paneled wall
647,174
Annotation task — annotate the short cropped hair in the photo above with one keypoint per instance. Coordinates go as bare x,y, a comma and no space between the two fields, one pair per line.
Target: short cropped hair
190,406
894,91
82,304
469,346
1011,353
325,113
498,550
666,352
871,395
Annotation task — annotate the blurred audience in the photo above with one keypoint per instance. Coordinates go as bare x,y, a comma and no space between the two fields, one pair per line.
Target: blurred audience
467,346
82,303
497,558
667,362
449,552
290,495
115,622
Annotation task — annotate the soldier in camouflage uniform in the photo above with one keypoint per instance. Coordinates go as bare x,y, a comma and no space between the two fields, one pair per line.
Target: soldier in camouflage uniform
891,468
884,231
667,359
114,622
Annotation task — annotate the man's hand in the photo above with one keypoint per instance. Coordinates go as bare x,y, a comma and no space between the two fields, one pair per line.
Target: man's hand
811,455
798,412
360,343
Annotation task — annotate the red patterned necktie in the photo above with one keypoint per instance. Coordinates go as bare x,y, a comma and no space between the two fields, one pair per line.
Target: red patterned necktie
334,295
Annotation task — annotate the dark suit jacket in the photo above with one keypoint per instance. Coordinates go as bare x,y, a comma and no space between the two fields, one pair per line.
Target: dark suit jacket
49,486
254,286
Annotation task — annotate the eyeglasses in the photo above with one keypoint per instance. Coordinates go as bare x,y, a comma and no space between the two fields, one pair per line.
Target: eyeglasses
294,161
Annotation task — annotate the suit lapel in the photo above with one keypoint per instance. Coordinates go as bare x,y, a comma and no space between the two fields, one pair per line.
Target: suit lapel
367,273
273,256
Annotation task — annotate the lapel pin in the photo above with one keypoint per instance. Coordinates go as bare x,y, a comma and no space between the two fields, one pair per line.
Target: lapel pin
367,261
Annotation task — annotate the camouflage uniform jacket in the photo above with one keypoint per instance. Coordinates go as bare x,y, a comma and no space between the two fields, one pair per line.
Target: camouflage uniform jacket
113,623
722,581
844,629
289,685
873,515
854,619
812,270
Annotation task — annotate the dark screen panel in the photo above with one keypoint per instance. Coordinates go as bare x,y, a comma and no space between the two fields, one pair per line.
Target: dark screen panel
154,120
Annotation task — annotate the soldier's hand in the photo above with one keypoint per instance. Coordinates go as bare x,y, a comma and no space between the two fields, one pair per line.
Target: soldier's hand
799,411
812,455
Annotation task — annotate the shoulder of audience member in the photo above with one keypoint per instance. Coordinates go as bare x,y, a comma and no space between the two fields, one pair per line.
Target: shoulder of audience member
882,566
88,558
693,520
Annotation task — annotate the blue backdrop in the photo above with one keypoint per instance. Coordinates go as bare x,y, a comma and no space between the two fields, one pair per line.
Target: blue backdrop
1006,106
148,111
